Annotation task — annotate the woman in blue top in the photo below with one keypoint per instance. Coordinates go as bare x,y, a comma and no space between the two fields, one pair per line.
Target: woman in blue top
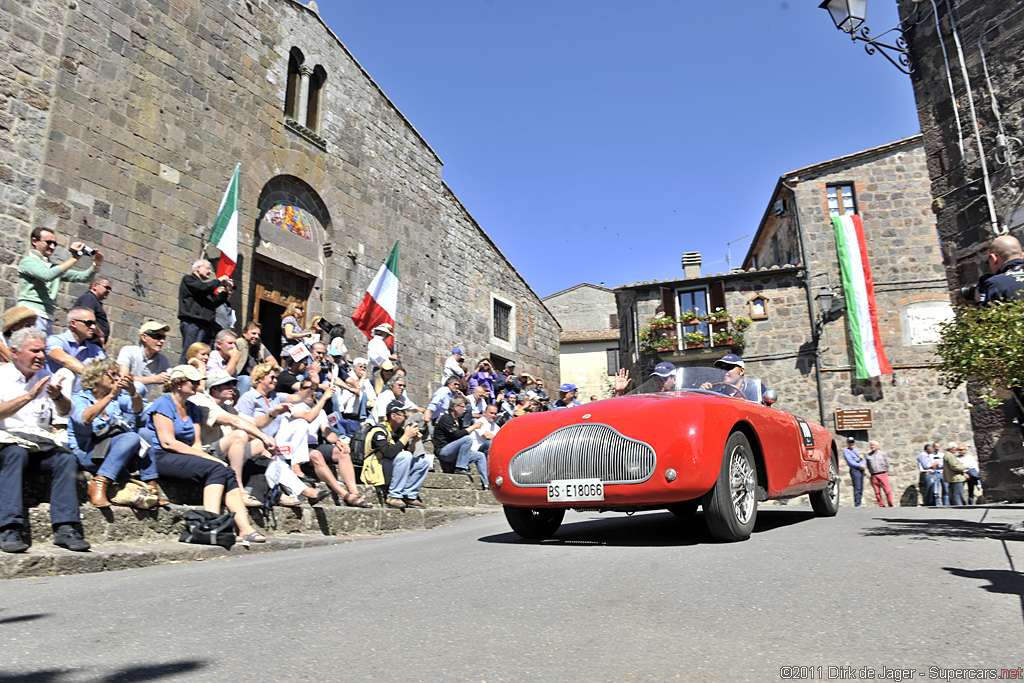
179,452
484,375
107,397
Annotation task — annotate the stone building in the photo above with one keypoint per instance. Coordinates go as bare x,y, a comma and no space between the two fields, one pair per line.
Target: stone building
967,66
589,343
121,123
790,290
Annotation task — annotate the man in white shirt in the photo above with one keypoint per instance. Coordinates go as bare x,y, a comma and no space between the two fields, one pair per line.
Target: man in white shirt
377,349
482,442
144,362
453,366
28,400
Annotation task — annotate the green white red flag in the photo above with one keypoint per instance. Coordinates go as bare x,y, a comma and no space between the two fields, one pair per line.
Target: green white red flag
224,234
859,288
380,303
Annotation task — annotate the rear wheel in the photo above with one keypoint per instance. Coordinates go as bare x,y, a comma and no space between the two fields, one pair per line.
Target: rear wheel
534,523
826,501
730,508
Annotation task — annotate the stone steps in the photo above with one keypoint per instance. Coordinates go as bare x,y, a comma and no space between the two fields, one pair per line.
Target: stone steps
123,537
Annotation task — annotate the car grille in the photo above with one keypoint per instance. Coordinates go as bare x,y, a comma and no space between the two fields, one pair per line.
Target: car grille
587,451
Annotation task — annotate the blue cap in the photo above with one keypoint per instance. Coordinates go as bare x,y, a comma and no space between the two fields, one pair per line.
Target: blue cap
456,350
729,359
566,387
664,369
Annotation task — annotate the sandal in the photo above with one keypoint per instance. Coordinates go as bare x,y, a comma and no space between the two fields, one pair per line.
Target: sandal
252,537
251,501
357,500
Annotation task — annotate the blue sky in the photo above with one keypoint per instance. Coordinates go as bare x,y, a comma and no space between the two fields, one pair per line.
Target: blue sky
597,141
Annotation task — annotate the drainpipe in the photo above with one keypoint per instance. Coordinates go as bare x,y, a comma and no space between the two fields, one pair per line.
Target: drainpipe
815,335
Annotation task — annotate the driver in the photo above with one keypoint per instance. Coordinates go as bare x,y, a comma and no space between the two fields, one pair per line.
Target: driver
733,383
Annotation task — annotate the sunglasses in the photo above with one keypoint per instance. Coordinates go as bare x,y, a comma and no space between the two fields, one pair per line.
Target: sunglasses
87,323
49,243
156,335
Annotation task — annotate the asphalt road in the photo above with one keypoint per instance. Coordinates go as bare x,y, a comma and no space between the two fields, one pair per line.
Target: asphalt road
641,598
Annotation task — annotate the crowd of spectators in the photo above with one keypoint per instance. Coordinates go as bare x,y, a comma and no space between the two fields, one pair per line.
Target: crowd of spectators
250,429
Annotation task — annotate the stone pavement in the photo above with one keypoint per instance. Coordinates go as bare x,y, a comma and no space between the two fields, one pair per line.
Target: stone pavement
124,538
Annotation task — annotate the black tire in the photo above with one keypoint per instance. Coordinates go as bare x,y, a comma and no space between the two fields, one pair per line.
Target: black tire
826,501
685,509
534,523
730,507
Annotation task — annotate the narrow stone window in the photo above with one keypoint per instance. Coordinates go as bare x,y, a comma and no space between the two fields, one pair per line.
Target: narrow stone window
317,81
294,87
502,316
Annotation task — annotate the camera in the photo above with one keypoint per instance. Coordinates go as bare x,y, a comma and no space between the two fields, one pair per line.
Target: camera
84,251
324,325
969,292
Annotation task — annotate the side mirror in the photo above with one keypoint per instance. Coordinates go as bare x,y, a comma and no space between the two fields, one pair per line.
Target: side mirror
769,397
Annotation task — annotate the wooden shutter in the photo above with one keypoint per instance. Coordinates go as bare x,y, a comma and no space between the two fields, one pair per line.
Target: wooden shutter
668,301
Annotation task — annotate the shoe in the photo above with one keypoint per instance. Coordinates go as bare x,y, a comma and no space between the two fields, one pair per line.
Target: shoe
309,481
12,542
396,503
68,537
318,497
288,501
251,501
155,485
415,503
98,491
463,470
357,500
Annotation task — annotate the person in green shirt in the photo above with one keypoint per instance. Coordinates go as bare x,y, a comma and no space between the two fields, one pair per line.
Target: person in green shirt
39,279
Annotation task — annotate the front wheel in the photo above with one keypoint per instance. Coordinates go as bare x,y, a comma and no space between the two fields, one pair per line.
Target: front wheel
825,502
534,523
730,507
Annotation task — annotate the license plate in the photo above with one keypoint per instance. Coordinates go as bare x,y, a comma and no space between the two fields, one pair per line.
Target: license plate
571,490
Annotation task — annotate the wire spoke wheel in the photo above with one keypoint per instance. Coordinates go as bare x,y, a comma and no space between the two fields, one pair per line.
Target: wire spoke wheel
730,507
742,484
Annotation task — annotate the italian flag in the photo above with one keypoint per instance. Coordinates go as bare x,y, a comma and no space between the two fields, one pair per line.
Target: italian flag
224,233
869,356
380,303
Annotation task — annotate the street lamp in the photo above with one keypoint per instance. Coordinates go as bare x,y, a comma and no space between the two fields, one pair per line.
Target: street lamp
849,16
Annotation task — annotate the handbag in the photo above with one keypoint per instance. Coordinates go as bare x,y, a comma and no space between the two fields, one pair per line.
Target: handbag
136,494
102,436
209,528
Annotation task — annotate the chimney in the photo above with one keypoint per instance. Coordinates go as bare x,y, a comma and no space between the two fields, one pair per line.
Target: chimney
691,264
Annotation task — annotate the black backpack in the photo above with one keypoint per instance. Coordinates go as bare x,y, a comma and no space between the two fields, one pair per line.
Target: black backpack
209,528
357,444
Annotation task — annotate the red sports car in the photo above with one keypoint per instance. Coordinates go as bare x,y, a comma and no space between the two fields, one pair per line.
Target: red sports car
701,442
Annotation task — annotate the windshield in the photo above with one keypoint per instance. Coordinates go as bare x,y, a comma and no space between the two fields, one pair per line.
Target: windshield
712,380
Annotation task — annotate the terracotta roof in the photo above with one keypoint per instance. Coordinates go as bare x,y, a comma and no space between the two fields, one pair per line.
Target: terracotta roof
735,272
589,335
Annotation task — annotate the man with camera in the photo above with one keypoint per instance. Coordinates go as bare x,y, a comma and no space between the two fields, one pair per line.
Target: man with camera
39,279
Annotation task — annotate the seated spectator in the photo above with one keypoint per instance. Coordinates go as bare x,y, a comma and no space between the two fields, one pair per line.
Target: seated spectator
484,375
528,384
291,330
289,379
368,397
225,354
72,349
332,450
16,318
231,437
482,444
179,451
197,355
452,443
404,472
541,394
93,299
476,405
507,408
394,392
567,397
145,362
102,429
442,398
507,380
387,371
27,401
251,352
